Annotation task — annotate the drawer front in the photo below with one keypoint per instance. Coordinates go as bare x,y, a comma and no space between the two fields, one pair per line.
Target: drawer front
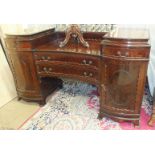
126,52
67,57
67,70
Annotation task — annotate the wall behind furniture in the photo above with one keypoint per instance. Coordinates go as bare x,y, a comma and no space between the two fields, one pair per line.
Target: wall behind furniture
7,87
151,67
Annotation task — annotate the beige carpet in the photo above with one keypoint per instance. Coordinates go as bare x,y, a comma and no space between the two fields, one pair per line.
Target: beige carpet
15,113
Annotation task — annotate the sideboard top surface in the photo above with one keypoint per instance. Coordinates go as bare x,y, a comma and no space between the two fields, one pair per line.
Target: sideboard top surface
50,40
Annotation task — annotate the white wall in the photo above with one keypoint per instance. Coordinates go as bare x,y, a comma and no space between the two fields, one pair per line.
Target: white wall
151,68
7,87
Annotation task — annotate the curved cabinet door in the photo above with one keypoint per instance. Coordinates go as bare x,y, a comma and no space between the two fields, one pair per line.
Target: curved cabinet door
124,84
25,75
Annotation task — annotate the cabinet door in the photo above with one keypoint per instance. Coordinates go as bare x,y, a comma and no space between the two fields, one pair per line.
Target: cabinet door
25,74
124,84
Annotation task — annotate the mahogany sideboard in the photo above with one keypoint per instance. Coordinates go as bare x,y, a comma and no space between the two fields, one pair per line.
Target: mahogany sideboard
116,62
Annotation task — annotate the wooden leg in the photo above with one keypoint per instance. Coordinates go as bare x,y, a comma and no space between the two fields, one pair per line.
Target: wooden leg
100,116
19,98
136,123
151,121
42,103
60,86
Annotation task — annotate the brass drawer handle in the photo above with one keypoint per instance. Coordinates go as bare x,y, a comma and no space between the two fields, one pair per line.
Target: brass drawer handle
120,54
88,75
47,69
44,68
90,62
43,58
126,54
84,62
85,73
87,62
50,69
48,58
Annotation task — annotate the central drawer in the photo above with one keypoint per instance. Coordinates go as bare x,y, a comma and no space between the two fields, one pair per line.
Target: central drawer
66,70
67,57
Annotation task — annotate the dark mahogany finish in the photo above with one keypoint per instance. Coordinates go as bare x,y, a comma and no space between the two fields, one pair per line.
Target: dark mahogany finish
116,62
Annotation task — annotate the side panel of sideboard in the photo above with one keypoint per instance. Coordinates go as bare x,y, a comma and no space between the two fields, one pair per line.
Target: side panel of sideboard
23,68
27,84
123,79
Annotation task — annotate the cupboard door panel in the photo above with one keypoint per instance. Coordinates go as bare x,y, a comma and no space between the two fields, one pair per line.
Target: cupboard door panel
25,73
121,84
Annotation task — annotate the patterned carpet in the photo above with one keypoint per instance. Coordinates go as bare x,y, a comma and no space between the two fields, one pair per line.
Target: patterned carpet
76,107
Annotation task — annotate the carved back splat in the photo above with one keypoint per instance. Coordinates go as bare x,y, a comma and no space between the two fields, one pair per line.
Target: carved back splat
74,31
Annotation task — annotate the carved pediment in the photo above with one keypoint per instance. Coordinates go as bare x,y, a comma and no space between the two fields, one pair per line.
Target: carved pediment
74,32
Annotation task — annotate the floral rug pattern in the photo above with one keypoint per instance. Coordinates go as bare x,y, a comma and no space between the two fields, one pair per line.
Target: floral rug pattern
76,107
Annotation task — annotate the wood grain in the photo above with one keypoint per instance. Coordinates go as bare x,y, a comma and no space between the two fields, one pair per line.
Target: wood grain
116,62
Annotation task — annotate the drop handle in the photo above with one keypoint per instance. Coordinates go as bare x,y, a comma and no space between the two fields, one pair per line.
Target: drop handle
126,54
45,69
85,73
48,58
50,69
119,53
90,62
43,58
87,62
90,74
84,62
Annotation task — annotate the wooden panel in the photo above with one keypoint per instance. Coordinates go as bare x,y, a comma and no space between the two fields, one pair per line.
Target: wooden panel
122,86
117,64
67,57
67,70
10,43
126,52
25,74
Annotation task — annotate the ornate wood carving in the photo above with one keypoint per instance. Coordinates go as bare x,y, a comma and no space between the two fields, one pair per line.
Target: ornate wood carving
75,32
